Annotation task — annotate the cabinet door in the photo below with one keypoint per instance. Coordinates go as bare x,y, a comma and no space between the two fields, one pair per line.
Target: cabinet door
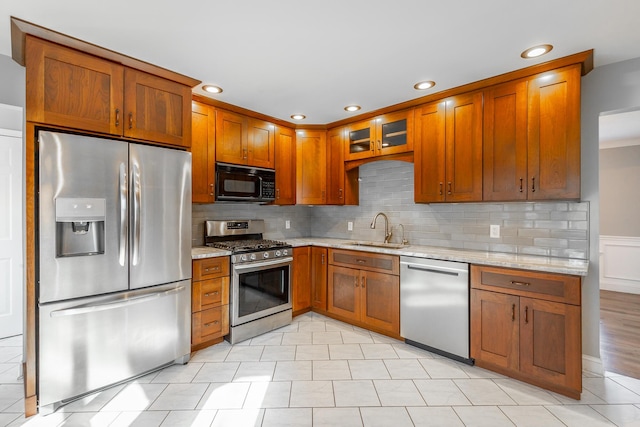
203,153
429,153
344,292
554,135
231,137
494,328
301,278
360,141
311,170
285,149
505,142
72,89
156,109
394,133
381,300
260,147
464,148
335,166
319,262
550,342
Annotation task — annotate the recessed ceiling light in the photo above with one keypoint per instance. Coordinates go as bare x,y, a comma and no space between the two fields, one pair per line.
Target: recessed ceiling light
534,52
352,108
428,84
212,89
298,116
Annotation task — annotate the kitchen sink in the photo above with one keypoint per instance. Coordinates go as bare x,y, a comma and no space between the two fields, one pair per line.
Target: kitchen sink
379,245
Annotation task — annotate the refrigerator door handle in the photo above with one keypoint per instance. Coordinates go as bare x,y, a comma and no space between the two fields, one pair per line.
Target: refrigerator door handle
123,214
136,213
111,305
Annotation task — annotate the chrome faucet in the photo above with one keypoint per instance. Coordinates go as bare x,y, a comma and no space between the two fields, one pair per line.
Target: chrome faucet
403,241
387,232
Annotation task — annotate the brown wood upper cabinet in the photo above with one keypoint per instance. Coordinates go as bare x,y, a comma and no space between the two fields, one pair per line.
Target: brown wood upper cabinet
244,140
72,89
532,138
387,134
311,170
285,156
203,150
448,150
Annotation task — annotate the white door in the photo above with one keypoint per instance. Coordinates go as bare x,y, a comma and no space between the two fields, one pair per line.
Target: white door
11,232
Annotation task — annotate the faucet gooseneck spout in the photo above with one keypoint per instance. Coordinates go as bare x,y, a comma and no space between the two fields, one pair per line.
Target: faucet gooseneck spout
387,231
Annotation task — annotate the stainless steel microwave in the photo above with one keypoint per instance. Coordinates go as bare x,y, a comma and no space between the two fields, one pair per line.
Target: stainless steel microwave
244,184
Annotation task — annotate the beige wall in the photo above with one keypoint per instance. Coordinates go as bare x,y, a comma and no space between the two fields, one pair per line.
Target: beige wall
620,191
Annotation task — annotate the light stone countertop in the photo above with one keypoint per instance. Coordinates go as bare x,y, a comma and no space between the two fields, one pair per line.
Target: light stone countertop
575,267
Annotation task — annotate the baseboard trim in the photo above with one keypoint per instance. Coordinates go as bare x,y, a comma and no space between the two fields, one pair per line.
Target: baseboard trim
592,364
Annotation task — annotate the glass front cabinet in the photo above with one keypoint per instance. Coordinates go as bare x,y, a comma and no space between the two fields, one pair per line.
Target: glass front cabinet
387,134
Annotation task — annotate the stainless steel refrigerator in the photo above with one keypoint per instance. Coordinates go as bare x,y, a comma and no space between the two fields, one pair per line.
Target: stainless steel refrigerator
114,264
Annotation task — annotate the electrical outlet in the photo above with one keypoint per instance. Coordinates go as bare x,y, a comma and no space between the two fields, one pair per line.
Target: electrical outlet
349,225
287,224
494,231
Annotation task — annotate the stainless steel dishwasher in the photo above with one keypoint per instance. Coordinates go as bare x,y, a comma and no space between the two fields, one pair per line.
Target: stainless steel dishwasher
434,306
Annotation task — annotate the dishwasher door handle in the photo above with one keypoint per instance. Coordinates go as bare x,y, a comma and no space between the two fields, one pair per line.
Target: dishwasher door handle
432,270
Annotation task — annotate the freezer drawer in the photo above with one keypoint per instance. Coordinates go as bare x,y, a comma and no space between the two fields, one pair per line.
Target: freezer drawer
90,343
434,305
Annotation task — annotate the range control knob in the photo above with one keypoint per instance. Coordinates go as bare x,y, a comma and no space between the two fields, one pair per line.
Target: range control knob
243,258
285,252
278,253
265,255
253,257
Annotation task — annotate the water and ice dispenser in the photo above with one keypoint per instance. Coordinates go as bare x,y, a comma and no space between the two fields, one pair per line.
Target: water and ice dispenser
79,226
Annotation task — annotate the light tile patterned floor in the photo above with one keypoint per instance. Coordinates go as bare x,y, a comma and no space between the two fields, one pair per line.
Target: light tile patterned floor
320,372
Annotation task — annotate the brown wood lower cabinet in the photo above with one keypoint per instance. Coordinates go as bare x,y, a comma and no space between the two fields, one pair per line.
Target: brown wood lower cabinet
364,289
319,261
301,280
527,325
209,302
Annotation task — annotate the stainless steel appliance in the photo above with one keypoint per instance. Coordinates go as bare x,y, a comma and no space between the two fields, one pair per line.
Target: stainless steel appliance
114,242
434,306
244,184
260,295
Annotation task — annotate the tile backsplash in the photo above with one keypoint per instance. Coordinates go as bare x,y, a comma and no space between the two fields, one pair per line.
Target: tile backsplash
558,229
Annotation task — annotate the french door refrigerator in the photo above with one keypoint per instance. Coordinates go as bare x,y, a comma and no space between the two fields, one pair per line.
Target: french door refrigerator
114,263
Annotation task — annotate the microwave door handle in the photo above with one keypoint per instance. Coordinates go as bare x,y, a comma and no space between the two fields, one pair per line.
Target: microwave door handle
122,186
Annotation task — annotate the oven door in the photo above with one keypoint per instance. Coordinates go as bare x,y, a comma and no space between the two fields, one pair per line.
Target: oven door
260,289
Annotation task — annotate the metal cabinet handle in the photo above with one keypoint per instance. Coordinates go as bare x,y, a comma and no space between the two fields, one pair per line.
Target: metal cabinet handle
371,146
516,283
322,259
215,322
513,312
117,117
355,281
380,145
211,185
526,314
130,120
449,184
441,189
244,153
521,185
533,184
363,283
216,268
278,193
340,193
361,261
208,294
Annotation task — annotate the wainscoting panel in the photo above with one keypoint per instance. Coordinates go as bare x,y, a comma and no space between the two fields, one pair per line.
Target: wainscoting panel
620,264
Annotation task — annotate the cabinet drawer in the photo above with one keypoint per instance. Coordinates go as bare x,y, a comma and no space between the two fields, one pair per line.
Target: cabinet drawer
210,293
209,324
382,263
546,286
210,268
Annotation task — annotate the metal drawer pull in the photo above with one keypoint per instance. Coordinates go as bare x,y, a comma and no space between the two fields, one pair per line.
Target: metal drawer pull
117,117
521,185
526,314
215,322
216,268
130,120
361,261
355,282
516,283
364,281
513,312
208,294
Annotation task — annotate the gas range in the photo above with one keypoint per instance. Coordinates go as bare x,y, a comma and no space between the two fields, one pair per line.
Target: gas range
244,239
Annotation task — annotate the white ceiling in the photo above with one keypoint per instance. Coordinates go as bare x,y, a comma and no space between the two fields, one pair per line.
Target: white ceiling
283,57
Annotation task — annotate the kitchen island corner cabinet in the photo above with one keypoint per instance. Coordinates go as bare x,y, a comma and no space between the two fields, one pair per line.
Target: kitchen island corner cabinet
527,325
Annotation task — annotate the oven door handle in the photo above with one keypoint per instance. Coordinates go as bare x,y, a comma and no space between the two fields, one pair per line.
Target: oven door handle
262,264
